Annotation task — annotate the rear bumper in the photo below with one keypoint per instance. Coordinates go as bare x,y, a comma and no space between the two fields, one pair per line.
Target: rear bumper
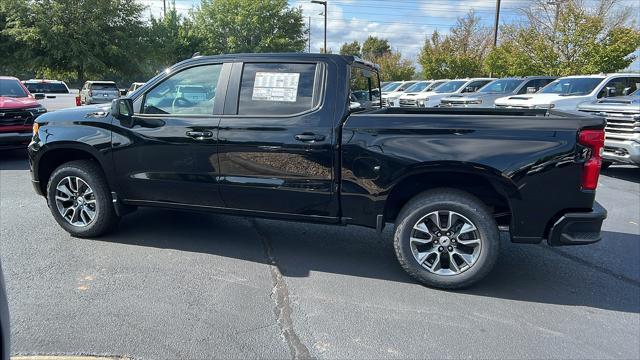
622,151
578,228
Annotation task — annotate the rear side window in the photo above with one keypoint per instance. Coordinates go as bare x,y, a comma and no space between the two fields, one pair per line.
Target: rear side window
47,88
278,89
365,88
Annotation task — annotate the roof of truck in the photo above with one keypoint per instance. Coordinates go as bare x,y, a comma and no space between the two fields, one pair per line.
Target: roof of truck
347,58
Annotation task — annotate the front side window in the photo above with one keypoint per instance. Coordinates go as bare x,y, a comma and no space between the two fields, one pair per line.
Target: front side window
278,89
475,85
614,87
189,92
572,86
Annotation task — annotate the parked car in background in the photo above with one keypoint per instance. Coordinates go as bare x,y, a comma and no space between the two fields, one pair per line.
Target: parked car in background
622,133
134,86
485,97
281,141
98,92
415,88
408,99
18,109
396,92
569,92
57,94
459,86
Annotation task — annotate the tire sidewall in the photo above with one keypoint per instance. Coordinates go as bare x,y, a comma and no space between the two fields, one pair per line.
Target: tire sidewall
103,199
489,243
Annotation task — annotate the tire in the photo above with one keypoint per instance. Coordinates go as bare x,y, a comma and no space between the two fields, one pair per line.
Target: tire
605,165
473,251
97,201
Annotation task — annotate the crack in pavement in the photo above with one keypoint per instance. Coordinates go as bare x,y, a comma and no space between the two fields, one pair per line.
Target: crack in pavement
280,295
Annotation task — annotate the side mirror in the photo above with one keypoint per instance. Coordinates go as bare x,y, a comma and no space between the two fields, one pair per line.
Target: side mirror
38,96
122,109
532,90
611,91
626,91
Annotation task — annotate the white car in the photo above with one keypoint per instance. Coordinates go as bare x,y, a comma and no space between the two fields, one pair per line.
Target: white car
394,90
408,99
569,92
461,86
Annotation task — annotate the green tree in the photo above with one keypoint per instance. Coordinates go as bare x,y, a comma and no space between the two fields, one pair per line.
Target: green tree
581,40
76,39
173,39
373,48
15,53
352,48
234,26
460,54
393,67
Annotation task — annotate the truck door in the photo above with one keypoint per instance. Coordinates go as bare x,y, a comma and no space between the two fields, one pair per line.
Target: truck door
276,140
168,153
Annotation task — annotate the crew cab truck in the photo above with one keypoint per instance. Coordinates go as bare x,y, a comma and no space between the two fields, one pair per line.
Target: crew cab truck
275,136
18,109
53,94
622,133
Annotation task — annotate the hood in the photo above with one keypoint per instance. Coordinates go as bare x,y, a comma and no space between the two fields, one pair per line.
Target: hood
530,99
426,94
624,104
96,111
17,103
474,96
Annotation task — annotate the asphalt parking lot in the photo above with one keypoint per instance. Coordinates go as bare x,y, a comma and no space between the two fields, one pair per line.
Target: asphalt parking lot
177,285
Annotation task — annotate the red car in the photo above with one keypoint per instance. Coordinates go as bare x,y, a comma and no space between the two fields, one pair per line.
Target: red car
18,109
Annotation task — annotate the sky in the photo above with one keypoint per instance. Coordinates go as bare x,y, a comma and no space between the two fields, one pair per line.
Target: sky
405,23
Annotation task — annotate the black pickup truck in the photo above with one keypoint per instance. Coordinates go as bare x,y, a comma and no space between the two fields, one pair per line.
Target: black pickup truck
279,136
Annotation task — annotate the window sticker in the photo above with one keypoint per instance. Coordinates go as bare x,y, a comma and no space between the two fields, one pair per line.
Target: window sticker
270,86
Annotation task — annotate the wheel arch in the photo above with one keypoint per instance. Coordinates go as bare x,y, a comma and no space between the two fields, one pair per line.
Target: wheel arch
485,183
55,154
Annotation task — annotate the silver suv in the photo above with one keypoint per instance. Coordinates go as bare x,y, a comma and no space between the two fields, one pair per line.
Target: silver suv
99,92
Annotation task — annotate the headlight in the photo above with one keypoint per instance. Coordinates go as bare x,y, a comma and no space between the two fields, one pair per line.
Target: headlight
421,103
36,127
37,110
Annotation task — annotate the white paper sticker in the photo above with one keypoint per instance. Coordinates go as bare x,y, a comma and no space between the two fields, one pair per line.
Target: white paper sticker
270,86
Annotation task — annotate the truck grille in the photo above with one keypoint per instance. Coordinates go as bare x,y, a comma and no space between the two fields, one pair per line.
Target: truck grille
620,126
16,117
407,103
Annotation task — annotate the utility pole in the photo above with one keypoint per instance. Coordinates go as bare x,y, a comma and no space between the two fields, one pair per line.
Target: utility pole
309,34
495,28
324,3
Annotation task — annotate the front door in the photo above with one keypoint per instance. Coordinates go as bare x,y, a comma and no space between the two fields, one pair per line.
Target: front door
168,152
276,141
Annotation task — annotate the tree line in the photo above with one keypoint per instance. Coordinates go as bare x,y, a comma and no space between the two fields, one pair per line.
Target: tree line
76,40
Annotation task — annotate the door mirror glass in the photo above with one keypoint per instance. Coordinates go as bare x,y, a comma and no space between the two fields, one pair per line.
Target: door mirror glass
611,91
122,109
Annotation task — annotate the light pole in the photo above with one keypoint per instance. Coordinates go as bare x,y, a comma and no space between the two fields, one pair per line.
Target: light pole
324,3
495,28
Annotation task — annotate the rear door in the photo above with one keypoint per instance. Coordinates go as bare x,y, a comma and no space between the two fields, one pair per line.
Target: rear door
168,152
276,140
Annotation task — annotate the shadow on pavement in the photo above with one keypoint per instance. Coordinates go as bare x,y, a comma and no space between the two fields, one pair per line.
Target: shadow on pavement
14,159
529,273
625,172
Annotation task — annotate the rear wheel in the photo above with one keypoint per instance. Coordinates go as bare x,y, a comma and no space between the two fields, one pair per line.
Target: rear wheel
79,199
446,238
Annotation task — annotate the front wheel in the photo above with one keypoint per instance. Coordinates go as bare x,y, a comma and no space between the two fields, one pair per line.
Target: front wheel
80,200
446,238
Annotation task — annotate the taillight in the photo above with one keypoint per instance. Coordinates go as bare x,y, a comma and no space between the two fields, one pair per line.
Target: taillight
594,140
78,103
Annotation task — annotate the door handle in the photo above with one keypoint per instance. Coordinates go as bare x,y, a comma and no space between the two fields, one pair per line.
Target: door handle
199,135
308,137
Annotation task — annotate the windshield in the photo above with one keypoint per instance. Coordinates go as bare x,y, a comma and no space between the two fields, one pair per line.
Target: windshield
572,86
451,86
435,85
501,86
417,87
47,88
11,88
391,87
